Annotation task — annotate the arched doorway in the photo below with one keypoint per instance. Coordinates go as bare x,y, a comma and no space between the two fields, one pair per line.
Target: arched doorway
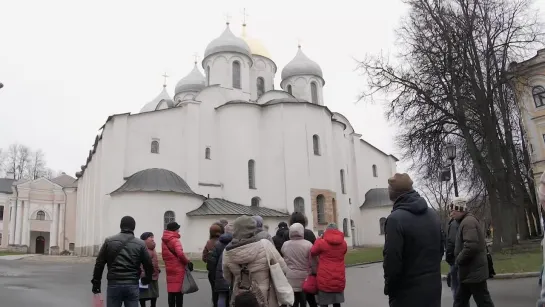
40,245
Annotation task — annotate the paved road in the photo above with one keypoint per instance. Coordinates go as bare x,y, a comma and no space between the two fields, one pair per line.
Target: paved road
66,285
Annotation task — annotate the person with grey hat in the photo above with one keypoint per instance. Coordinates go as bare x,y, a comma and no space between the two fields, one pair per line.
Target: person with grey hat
413,248
123,254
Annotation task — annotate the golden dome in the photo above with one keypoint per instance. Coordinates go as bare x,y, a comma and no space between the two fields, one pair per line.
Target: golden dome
256,47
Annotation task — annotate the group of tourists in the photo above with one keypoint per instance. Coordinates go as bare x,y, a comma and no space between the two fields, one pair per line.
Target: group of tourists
414,248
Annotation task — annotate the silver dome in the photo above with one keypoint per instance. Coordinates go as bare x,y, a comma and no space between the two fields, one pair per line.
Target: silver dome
301,65
194,81
227,42
152,105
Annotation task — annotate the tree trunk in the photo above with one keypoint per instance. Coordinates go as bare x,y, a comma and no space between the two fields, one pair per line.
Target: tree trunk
523,230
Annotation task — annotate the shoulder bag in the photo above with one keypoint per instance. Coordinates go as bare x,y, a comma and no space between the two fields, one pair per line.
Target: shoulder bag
189,284
310,285
284,292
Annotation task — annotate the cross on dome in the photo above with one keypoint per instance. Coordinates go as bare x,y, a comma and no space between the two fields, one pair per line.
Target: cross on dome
227,18
244,15
165,81
196,57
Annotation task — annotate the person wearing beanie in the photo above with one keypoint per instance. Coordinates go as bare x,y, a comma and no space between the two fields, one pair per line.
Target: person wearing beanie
470,253
123,272
214,264
175,263
216,230
452,232
246,299
246,251
413,248
280,236
260,232
152,292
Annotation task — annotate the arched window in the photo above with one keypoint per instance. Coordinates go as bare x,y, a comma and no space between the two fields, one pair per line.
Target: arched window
169,217
382,223
314,92
375,173
299,205
316,144
251,174
343,189
539,96
345,227
207,153
155,146
255,201
289,88
236,74
260,83
40,215
334,207
320,209
208,75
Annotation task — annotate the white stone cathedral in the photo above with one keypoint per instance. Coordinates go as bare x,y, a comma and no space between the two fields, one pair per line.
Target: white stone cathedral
228,143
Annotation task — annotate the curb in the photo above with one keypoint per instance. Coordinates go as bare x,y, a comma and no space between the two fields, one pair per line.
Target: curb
16,257
509,275
363,263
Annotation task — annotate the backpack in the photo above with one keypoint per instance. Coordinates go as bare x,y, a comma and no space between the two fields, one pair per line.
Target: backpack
247,284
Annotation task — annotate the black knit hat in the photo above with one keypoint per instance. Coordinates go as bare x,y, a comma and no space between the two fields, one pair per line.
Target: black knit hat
146,235
246,299
282,225
127,223
173,226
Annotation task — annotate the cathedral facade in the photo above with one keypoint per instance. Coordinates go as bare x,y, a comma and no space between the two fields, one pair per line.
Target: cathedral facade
228,143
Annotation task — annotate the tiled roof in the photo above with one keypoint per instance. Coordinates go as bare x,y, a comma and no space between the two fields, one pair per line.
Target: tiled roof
219,206
155,180
65,181
5,185
378,197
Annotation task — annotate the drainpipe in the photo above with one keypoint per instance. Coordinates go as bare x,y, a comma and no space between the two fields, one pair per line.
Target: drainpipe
64,221
15,217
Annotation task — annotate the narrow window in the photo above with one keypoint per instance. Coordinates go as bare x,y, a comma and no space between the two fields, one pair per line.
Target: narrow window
236,74
299,205
343,189
334,207
40,216
207,153
251,174
71,247
320,208
289,89
382,223
155,146
208,75
260,83
169,217
1,213
255,201
345,227
316,144
314,92
538,92
375,173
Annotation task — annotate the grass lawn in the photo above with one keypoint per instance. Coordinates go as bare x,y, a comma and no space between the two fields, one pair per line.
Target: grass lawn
363,255
9,253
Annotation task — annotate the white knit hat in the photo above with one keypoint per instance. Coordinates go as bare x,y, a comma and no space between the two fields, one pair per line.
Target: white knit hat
458,204
541,188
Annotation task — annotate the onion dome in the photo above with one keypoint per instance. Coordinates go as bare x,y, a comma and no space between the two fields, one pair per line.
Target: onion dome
301,65
193,82
256,47
227,42
162,97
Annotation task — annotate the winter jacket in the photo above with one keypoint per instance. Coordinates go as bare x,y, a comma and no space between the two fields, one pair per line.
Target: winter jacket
280,238
215,260
215,233
470,251
123,263
254,254
452,231
154,260
263,234
175,260
330,249
412,252
309,236
297,256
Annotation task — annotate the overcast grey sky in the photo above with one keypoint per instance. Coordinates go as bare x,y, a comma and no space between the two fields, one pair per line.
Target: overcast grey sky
66,65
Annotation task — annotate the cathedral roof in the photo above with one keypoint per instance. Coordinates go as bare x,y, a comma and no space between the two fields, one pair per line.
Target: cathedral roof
301,65
256,47
227,42
194,81
378,197
219,206
65,181
155,180
152,105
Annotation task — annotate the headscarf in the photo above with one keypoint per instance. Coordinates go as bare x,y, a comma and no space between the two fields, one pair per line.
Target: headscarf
259,222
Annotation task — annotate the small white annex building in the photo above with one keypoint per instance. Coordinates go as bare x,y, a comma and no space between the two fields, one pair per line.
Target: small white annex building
228,143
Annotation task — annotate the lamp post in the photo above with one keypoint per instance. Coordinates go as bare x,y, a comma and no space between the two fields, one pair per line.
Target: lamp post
450,149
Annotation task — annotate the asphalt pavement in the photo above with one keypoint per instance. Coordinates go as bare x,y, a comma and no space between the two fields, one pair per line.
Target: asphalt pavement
68,284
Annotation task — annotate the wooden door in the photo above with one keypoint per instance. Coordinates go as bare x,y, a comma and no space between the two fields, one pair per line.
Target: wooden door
40,245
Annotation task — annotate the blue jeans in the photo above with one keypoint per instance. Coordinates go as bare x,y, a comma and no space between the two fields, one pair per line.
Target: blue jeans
118,295
454,282
223,299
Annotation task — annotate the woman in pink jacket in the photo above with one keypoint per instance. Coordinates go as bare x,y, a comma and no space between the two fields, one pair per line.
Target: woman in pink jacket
152,293
175,262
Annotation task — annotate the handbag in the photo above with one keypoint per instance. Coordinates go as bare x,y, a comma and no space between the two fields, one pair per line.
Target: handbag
310,285
284,292
189,285
97,300
490,263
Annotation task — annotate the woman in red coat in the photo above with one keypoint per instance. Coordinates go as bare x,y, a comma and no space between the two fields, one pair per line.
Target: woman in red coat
331,276
175,262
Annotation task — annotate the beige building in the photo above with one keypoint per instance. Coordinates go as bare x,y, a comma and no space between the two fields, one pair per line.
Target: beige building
529,85
38,215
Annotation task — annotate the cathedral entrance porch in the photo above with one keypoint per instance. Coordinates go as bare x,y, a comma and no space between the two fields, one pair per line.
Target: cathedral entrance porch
39,242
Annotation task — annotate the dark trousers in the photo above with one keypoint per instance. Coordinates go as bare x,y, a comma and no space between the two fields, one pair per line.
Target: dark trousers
212,280
175,299
311,300
479,291
334,305
118,295
299,301
152,300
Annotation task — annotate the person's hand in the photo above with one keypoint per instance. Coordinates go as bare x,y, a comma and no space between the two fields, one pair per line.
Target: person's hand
190,266
146,280
96,288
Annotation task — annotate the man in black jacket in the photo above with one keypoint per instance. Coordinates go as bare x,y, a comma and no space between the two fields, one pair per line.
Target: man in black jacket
123,254
413,248
452,231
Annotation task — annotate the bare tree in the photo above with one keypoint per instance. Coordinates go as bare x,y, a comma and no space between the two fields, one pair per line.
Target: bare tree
25,163
36,168
438,194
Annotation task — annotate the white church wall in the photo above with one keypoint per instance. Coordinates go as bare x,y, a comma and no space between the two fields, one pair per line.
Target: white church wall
301,87
370,234
340,156
265,69
221,69
208,132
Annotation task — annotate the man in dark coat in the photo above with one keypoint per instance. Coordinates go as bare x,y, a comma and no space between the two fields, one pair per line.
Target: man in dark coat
452,231
280,236
413,248
470,255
